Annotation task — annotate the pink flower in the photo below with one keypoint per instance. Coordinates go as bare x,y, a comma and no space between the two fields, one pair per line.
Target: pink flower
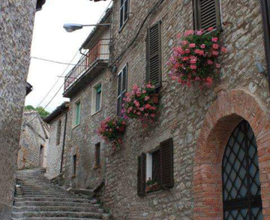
200,32
203,46
215,46
224,50
218,65
210,62
193,67
135,87
192,45
136,103
146,114
142,109
147,106
215,53
146,98
193,61
185,59
184,42
210,29
153,115
187,33
187,51
215,39
178,36
209,81
149,86
139,113
144,91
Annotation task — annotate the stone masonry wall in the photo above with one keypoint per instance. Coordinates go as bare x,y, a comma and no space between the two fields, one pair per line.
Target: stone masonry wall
81,140
54,156
17,18
184,109
33,136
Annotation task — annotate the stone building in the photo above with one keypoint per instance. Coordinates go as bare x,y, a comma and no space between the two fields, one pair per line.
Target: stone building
209,150
17,20
33,142
87,86
57,121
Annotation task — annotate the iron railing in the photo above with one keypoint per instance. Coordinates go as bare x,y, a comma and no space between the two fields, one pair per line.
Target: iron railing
98,52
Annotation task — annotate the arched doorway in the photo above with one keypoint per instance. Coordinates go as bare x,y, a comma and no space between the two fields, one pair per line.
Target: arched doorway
240,176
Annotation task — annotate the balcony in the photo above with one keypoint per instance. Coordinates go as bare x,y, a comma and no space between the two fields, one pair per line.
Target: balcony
87,68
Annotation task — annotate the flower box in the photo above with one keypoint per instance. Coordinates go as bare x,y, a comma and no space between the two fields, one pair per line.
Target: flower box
195,58
141,103
112,130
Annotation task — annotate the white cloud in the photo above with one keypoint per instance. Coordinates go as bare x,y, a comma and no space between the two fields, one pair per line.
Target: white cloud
51,41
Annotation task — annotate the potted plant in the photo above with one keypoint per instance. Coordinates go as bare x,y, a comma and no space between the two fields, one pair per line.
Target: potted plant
195,58
151,185
112,130
141,103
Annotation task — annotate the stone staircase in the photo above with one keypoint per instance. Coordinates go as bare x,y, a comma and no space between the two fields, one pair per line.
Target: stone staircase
37,199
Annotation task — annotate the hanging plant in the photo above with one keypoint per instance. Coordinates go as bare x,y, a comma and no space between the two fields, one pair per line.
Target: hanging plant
112,130
141,103
195,58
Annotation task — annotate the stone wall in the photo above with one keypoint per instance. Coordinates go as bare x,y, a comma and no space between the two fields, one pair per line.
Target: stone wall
184,109
34,134
55,149
17,18
81,140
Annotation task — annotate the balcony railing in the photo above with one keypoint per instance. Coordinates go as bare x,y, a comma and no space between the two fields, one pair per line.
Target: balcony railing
99,52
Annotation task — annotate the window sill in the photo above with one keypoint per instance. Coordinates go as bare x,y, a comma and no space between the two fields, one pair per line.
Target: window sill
95,113
96,167
121,28
75,126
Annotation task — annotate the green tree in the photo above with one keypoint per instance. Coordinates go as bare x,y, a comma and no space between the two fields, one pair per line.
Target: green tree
41,111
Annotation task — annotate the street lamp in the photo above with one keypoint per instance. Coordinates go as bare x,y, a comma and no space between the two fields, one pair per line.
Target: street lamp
75,27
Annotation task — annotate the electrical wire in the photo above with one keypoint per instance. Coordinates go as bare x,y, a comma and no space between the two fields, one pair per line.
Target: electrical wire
54,61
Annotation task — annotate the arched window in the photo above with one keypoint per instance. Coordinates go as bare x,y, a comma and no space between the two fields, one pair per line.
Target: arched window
241,181
58,135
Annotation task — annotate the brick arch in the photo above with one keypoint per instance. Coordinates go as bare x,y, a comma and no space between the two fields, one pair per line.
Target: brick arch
224,115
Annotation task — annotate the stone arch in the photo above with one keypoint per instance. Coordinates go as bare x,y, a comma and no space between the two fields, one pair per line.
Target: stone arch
224,115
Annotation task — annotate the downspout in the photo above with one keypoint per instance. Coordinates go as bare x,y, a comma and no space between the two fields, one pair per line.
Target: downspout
64,142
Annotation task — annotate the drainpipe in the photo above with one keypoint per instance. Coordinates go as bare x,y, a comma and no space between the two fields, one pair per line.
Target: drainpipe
64,142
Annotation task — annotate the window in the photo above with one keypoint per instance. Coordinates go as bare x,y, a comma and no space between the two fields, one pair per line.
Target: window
77,113
97,155
122,88
74,165
207,14
155,169
241,176
97,98
153,56
58,134
124,9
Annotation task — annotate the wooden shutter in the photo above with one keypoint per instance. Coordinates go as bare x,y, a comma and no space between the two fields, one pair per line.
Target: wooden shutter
265,4
166,150
207,14
141,174
153,72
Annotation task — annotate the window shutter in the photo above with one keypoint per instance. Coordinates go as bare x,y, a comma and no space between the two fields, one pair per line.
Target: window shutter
166,148
153,73
207,14
141,174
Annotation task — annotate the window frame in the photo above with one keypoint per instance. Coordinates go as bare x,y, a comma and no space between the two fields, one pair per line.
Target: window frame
196,15
121,93
97,155
74,162
75,113
94,98
124,10
58,132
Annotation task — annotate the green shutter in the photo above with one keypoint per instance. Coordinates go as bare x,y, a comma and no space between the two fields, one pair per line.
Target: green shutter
78,113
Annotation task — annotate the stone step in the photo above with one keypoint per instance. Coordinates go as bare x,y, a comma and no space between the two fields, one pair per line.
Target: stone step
47,208
57,218
53,198
53,203
58,214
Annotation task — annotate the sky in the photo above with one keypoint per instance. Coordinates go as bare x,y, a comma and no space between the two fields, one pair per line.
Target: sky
52,42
